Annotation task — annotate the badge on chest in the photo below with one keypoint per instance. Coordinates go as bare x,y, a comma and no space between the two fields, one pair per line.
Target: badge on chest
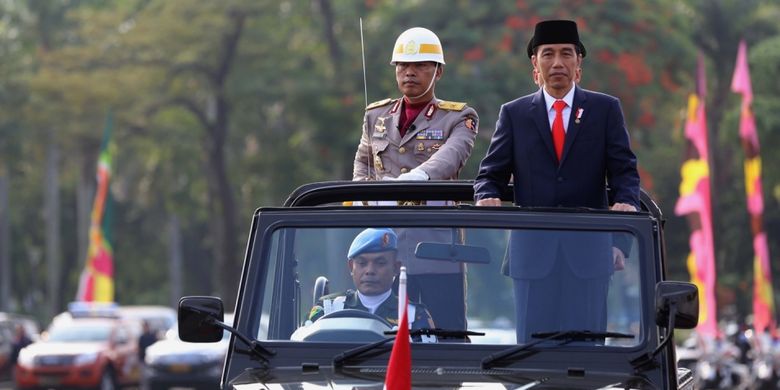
436,134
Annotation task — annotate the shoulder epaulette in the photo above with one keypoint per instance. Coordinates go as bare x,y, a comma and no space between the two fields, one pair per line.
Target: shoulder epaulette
451,106
379,103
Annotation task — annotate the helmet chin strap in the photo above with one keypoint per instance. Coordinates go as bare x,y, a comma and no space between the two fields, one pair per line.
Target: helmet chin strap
433,79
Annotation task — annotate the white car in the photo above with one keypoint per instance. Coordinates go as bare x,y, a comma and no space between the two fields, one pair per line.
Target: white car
171,362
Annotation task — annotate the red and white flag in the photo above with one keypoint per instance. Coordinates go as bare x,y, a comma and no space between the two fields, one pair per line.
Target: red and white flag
399,368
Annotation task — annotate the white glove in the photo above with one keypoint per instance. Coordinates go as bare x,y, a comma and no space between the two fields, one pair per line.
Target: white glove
414,174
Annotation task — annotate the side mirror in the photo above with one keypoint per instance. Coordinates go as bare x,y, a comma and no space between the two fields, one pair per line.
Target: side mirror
197,319
685,299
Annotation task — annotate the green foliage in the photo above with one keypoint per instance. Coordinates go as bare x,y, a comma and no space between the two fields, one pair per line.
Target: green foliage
293,104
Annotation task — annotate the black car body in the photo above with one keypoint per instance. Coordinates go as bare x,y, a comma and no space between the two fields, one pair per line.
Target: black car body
297,253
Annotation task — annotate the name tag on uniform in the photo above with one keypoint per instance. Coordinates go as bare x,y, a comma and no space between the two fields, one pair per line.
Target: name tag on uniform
431,134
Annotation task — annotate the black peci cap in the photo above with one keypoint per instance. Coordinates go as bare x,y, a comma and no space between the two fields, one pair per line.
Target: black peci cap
555,31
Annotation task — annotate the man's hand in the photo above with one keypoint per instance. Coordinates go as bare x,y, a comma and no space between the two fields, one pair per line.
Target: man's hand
414,174
622,207
618,259
489,202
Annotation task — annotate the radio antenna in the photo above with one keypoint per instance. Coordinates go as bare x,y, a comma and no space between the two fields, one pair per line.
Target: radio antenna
363,54
365,97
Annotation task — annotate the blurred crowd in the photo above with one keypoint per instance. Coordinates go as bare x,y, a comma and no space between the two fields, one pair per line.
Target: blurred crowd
737,357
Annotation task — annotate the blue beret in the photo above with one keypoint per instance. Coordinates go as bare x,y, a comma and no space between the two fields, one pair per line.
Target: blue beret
373,240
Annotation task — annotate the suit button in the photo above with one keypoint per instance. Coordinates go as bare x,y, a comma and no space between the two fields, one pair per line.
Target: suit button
402,150
560,179
404,170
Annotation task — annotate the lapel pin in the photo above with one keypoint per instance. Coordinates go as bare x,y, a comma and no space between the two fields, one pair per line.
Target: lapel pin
578,116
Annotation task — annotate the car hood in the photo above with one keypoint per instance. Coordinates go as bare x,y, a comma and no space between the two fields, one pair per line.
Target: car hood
451,378
178,347
60,348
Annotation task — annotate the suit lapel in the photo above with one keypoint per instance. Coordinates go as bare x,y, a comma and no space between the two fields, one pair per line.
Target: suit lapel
539,113
579,102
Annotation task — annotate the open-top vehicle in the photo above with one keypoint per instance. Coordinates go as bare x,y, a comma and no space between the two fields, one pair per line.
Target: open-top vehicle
298,253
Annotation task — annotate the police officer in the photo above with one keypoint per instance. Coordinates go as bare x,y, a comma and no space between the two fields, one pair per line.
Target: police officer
419,137
416,136
372,262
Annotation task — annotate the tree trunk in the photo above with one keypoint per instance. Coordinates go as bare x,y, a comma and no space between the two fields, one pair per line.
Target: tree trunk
84,194
175,258
51,219
339,168
218,111
227,269
5,245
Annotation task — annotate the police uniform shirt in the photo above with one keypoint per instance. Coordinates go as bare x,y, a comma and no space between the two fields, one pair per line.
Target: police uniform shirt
439,140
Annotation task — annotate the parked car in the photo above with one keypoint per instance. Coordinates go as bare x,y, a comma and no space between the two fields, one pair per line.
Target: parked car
172,362
81,350
297,253
160,318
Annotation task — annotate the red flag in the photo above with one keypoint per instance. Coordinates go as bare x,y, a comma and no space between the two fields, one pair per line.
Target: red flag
399,368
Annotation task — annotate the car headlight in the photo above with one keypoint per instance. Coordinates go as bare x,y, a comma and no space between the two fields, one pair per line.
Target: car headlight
26,358
85,358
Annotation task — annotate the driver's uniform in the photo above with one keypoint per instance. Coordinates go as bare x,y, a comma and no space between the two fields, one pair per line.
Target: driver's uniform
388,310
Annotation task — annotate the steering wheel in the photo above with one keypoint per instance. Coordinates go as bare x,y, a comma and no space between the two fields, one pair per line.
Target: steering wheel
354,313
346,325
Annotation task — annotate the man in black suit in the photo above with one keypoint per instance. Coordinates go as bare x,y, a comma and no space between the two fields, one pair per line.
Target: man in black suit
562,145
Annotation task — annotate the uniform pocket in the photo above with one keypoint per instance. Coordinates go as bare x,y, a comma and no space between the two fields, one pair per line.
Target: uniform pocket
423,149
378,146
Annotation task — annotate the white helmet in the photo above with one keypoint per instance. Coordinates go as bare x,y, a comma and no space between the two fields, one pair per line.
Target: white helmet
417,44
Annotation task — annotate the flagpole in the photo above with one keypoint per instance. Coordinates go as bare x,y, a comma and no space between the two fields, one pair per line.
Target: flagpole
399,367
402,303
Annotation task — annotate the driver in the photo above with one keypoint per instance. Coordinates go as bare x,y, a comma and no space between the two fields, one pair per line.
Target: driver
373,264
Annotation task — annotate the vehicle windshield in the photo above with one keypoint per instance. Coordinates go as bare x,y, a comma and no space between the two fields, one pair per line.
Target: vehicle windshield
75,333
468,273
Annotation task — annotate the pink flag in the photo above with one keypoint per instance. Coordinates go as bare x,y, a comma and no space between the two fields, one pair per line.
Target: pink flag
695,200
740,83
763,296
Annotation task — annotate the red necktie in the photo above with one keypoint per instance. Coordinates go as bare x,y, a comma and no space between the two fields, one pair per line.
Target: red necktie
558,133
